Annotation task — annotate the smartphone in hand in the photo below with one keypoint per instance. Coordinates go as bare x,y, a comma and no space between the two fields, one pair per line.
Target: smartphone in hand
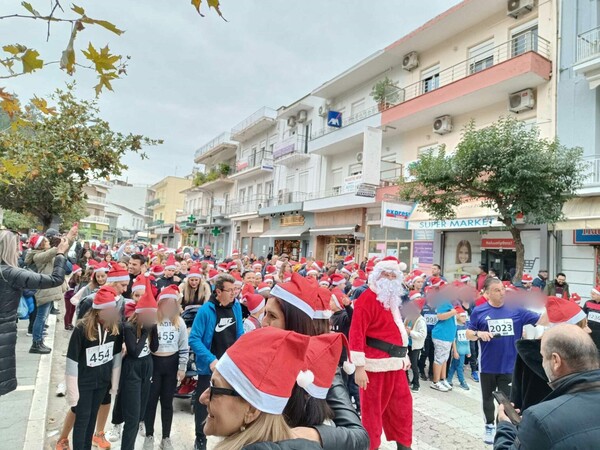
509,409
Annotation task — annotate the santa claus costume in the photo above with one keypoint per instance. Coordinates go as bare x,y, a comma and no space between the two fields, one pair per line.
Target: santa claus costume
378,344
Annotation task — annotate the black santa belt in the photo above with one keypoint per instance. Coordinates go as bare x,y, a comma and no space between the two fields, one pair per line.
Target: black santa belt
395,351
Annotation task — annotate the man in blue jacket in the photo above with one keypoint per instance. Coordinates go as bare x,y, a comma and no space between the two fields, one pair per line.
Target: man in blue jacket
216,327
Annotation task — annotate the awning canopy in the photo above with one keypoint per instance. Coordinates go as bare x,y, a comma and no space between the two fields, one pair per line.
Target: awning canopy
285,232
163,230
334,231
580,213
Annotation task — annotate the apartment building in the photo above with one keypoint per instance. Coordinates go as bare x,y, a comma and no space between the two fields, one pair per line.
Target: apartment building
165,201
96,223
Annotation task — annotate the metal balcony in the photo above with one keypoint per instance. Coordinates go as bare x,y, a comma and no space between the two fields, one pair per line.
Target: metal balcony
221,146
262,160
96,219
588,56
291,150
258,122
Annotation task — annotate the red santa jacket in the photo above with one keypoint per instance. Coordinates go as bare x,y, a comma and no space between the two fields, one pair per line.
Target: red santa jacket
371,319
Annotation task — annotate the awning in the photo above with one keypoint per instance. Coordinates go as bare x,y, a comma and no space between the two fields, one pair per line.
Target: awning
285,232
580,213
162,230
468,215
334,231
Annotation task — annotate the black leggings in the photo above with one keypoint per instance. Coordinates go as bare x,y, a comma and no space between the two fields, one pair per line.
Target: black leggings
135,376
489,383
86,412
427,354
413,355
164,383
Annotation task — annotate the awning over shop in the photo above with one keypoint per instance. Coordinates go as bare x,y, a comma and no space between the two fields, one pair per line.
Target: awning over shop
334,231
468,215
580,213
162,230
285,232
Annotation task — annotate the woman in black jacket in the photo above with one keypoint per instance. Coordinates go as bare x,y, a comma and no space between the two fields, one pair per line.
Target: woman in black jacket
12,282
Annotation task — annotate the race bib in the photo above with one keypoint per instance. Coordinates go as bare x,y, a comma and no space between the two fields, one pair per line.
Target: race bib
462,335
145,351
167,338
503,327
594,316
431,319
99,355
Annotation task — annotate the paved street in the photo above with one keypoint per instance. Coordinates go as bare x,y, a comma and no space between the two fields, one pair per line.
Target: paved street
442,420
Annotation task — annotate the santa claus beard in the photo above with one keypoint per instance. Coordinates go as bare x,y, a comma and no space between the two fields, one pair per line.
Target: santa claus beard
388,293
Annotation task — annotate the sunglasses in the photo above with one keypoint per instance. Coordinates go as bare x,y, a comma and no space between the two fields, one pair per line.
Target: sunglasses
221,391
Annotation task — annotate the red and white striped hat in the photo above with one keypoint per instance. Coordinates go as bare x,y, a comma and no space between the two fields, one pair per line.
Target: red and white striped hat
36,240
139,284
349,260
117,274
336,279
263,287
322,304
147,302
254,302
526,278
257,376
157,271
171,263
171,291
562,310
105,298
194,272
415,295
465,278
298,292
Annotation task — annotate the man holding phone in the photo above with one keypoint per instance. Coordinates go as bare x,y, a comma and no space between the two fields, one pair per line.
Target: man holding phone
497,326
564,419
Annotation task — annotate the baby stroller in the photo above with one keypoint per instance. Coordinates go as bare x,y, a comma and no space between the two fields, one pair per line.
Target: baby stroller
187,387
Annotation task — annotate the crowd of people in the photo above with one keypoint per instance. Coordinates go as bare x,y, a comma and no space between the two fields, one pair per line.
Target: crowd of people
286,354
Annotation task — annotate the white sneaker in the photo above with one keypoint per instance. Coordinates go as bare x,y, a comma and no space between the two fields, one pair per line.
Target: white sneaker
142,431
489,434
148,443
446,384
439,387
114,434
166,444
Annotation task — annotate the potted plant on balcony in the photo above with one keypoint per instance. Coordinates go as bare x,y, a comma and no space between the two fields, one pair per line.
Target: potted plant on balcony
224,169
385,93
200,179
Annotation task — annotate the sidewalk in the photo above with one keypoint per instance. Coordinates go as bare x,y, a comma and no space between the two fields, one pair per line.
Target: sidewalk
23,411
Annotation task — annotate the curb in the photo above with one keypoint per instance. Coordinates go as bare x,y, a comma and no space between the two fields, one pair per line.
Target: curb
36,425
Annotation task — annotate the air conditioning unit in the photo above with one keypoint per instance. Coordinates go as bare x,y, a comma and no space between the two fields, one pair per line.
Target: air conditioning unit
324,110
359,157
516,8
301,116
291,122
442,125
281,196
410,61
521,101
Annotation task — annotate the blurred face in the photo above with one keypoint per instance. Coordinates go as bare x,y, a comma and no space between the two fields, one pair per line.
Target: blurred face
134,267
120,287
100,278
463,254
560,280
226,295
226,413
418,283
147,317
207,252
169,273
108,257
595,297
45,244
136,295
496,293
109,316
435,271
273,315
193,282
169,307
461,318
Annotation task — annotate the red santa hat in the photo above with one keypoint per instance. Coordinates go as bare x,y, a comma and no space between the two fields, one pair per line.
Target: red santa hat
298,292
139,284
171,291
322,304
303,260
414,295
36,240
105,298
232,265
147,302
596,290
235,253
460,310
336,279
575,297
212,274
526,278
465,278
222,267
269,279
358,283
561,310
322,358
117,274
318,265
263,287
270,269
75,269
435,281
390,264
362,275
349,260
210,264
170,263
238,279
102,267
257,265
324,281
287,277
419,303
509,286
312,270
257,376
254,302
418,274
194,272
369,267
338,297
347,270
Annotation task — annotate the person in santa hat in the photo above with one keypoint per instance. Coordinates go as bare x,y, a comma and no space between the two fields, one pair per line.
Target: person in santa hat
256,307
249,391
292,306
194,290
460,349
93,366
169,276
529,384
378,347
416,328
592,309
116,277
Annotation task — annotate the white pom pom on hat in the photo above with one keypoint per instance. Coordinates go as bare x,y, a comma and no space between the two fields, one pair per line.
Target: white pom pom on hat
305,378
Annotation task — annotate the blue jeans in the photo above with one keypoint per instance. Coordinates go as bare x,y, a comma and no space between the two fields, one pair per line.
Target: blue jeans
457,365
40,320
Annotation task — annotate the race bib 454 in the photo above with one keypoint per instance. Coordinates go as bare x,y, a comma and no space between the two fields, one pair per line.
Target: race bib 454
99,355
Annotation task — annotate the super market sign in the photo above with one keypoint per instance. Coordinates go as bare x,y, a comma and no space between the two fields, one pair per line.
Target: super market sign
455,224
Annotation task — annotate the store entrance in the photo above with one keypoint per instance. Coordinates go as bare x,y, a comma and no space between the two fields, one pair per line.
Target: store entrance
503,262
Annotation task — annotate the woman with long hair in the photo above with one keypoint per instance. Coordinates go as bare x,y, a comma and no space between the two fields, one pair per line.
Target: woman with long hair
97,280
93,364
74,283
194,290
285,272
13,280
169,366
292,307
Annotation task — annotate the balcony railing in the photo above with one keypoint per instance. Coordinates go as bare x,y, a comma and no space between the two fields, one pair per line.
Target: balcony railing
94,199
220,139
293,145
217,211
356,117
156,223
252,161
96,219
245,205
592,177
286,197
262,113
152,202
588,44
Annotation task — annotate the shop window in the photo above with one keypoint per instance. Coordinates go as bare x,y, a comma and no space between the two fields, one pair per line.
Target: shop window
377,233
398,234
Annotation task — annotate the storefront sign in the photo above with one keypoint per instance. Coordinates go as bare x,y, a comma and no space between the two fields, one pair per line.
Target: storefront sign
395,215
497,244
291,221
266,165
351,183
366,190
589,237
423,251
454,224
423,235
